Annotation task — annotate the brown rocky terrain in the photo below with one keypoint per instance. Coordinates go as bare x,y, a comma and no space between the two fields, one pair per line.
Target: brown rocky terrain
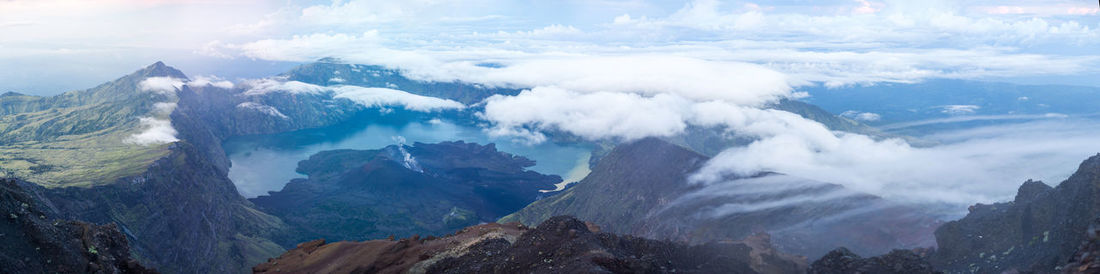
560,245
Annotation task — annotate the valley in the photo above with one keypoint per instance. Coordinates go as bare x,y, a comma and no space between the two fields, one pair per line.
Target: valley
235,174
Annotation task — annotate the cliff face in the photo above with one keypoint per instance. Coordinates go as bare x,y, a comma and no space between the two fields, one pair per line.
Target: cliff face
1087,257
183,215
1038,231
559,245
642,189
35,241
429,189
174,201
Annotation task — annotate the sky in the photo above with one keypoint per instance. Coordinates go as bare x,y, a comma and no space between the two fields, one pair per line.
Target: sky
622,70
48,47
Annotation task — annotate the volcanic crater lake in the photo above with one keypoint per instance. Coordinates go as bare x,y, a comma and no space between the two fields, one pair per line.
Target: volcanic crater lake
263,163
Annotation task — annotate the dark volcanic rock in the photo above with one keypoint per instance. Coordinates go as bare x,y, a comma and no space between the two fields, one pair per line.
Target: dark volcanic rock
1087,257
559,245
843,261
1038,232
413,254
183,215
650,196
565,245
35,242
428,189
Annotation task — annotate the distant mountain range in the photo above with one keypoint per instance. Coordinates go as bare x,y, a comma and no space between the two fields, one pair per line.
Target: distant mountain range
143,156
960,102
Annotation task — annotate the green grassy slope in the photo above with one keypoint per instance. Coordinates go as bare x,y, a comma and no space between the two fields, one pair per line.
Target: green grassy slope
79,138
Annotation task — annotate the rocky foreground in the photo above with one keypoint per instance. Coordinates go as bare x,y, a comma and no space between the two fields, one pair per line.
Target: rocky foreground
34,242
559,245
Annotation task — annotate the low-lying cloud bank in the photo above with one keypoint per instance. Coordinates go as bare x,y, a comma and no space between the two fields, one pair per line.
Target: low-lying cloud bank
984,164
369,97
976,167
631,97
383,97
713,64
161,85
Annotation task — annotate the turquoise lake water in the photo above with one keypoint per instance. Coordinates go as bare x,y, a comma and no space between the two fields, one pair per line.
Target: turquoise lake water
263,163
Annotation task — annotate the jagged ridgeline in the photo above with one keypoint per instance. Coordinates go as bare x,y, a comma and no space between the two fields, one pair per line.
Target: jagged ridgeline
87,137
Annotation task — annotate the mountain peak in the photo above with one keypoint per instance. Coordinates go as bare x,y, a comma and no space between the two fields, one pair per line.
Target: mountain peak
330,60
159,69
1092,163
1031,189
1087,173
11,93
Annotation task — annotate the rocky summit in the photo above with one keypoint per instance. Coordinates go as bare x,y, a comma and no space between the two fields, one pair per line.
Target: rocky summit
1039,231
841,261
561,244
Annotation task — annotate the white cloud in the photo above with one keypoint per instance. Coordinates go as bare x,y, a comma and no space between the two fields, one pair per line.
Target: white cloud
861,116
975,165
364,12
848,38
161,85
370,97
266,85
214,81
163,110
690,78
960,109
155,128
265,109
598,115
383,97
968,118
156,131
960,172
839,64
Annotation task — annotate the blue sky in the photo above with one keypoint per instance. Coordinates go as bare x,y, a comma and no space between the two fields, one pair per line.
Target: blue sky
53,46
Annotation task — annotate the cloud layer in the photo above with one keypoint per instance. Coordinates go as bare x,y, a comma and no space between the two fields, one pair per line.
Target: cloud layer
157,127
369,97
837,42
161,85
